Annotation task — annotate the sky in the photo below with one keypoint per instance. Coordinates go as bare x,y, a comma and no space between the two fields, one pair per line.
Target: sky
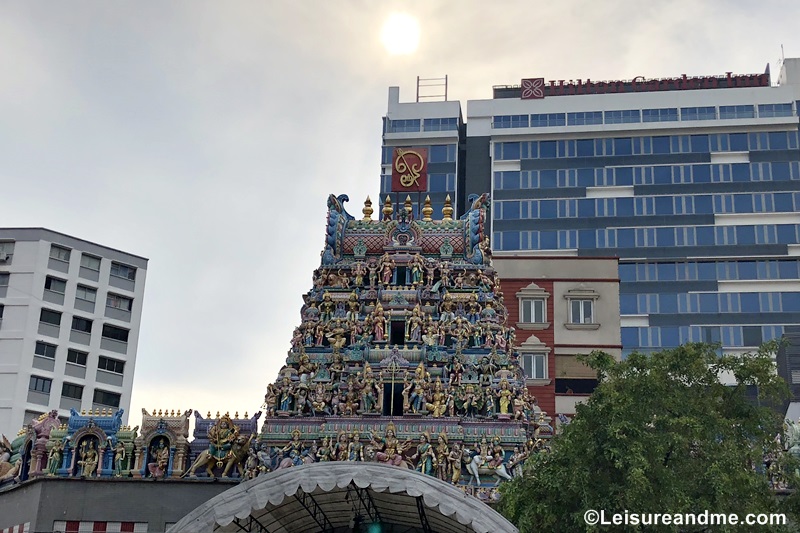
206,136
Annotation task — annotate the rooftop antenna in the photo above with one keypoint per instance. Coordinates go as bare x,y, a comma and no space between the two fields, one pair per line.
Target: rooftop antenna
432,89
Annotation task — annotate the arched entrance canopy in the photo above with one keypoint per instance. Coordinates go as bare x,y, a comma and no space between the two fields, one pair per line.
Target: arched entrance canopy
330,497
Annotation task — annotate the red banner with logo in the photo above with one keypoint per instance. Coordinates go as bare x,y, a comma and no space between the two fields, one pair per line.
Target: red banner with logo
410,170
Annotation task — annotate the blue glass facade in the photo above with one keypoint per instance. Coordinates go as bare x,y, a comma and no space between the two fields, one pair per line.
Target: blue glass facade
704,224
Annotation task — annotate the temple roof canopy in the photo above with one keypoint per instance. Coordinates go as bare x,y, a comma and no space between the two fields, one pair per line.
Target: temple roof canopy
327,497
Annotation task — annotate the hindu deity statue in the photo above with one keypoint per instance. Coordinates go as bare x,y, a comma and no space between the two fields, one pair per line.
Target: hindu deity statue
340,452
387,266
417,265
390,450
295,449
438,405
160,456
355,450
442,454
88,462
426,455
324,452
504,396
221,437
119,458
379,323
368,386
54,458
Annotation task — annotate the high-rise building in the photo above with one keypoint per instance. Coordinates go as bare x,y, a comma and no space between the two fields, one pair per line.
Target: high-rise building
693,182
70,312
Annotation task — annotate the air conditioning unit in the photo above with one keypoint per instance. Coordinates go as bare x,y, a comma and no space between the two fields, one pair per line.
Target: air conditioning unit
3,257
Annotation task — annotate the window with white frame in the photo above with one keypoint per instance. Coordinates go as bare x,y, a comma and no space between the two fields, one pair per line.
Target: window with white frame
581,311
532,307
534,365
533,310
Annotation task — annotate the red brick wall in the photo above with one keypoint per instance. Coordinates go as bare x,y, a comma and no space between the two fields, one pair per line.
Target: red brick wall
545,395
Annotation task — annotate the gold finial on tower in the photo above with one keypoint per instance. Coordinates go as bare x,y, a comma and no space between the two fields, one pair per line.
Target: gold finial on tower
208,415
367,209
236,416
387,208
427,210
447,210
245,415
407,204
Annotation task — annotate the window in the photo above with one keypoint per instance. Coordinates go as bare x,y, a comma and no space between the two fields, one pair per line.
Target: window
585,118
736,111
91,262
2,309
4,279
775,110
669,114
580,311
534,365
39,384
106,398
115,333
510,121
111,365
86,293
45,350
624,116
81,324
547,119
70,390
533,310
77,358
119,302
50,317
698,113
440,124
55,285
123,271
402,126
59,252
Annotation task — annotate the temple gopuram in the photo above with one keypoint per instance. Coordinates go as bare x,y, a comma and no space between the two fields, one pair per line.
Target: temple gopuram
403,355
402,362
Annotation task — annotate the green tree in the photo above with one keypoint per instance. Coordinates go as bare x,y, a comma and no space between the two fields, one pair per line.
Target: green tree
661,433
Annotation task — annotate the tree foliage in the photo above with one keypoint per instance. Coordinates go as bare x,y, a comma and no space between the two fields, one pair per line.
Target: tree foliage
661,433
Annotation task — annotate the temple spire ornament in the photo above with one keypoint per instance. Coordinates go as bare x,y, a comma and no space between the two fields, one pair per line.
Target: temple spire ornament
427,210
387,208
447,210
367,209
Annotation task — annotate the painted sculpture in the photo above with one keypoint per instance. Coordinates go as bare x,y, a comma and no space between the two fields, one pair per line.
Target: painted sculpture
402,354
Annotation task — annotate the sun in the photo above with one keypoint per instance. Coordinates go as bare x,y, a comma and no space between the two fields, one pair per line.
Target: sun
400,34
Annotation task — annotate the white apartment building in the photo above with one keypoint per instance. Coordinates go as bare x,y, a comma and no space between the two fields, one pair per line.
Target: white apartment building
70,312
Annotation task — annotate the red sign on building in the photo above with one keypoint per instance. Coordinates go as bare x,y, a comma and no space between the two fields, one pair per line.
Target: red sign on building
532,88
410,170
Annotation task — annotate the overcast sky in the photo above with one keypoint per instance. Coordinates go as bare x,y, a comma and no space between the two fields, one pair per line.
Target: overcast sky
206,137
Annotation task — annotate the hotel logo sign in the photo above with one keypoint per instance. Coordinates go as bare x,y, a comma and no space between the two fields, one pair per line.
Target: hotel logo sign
410,170
536,88
532,88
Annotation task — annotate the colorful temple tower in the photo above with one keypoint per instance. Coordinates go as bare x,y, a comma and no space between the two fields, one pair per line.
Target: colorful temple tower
403,355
